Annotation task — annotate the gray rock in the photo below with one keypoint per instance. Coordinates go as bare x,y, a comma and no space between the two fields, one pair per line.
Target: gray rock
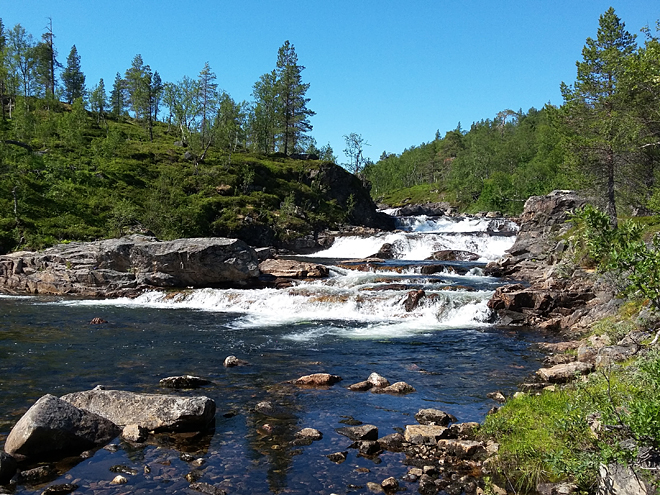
309,433
377,381
135,433
54,426
152,411
37,475
293,269
271,410
8,467
119,267
390,485
362,432
206,489
233,361
563,373
60,489
425,434
338,457
398,388
620,480
360,386
392,442
434,417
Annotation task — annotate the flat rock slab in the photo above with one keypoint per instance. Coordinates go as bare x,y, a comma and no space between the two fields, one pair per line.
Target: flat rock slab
53,426
462,448
425,434
362,432
152,411
563,373
184,381
318,380
293,269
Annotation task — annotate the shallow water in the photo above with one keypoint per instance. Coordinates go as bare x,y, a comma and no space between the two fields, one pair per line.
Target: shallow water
350,325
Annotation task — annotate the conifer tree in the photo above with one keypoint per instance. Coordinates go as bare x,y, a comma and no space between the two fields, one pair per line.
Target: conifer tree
73,77
294,118
98,100
595,111
118,96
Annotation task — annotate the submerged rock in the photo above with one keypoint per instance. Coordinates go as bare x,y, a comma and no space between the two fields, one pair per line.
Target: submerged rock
8,467
54,426
151,411
185,381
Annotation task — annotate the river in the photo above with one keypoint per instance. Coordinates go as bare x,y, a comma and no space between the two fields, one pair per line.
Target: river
350,324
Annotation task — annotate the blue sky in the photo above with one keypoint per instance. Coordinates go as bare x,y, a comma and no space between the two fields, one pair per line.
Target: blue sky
393,72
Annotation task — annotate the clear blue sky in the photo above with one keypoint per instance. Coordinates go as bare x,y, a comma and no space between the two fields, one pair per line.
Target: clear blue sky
391,71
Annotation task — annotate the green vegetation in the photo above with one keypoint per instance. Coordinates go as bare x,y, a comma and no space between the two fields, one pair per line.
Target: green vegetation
564,435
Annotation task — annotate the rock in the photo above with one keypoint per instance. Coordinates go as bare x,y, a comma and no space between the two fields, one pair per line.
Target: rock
374,487
60,489
97,321
55,427
272,411
360,386
563,373
362,432
119,480
434,417
152,411
232,361
293,269
620,480
185,381
37,475
615,354
453,255
338,457
464,431
497,396
135,433
427,485
390,484
121,468
398,388
206,489
309,433
392,442
318,380
378,381
425,434
126,266
368,447
462,448
8,466
557,488
386,252
412,299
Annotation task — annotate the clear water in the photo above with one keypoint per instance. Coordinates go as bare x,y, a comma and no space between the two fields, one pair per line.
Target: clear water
350,325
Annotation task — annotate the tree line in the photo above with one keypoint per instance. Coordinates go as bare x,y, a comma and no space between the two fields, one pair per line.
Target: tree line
276,120
604,139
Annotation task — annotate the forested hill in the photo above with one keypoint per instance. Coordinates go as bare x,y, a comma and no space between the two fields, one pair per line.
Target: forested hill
495,165
604,139
88,180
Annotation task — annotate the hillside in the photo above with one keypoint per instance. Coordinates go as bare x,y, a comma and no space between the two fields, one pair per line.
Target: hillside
80,177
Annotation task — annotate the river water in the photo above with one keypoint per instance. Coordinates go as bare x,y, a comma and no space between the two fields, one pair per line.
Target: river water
351,324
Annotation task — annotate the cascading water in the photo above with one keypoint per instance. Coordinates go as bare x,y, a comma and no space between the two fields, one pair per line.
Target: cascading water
357,321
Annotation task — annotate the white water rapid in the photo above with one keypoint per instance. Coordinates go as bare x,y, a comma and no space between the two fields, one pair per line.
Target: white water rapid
369,302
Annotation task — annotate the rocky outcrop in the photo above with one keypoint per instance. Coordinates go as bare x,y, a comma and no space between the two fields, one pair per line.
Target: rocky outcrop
126,266
151,411
453,255
283,268
556,294
53,426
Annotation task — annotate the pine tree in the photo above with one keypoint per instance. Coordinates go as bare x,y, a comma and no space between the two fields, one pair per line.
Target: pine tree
73,78
595,112
118,96
98,100
264,117
294,118
207,99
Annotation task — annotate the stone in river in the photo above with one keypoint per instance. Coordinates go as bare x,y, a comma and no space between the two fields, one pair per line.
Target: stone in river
185,381
231,361
425,434
54,426
8,467
362,432
338,457
360,386
151,411
378,381
206,489
398,388
434,417
134,433
318,380
392,442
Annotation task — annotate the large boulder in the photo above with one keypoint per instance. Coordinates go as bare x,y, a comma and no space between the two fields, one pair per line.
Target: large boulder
125,266
53,426
152,411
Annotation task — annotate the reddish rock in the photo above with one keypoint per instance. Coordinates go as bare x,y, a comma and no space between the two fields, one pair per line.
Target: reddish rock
318,380
293,269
